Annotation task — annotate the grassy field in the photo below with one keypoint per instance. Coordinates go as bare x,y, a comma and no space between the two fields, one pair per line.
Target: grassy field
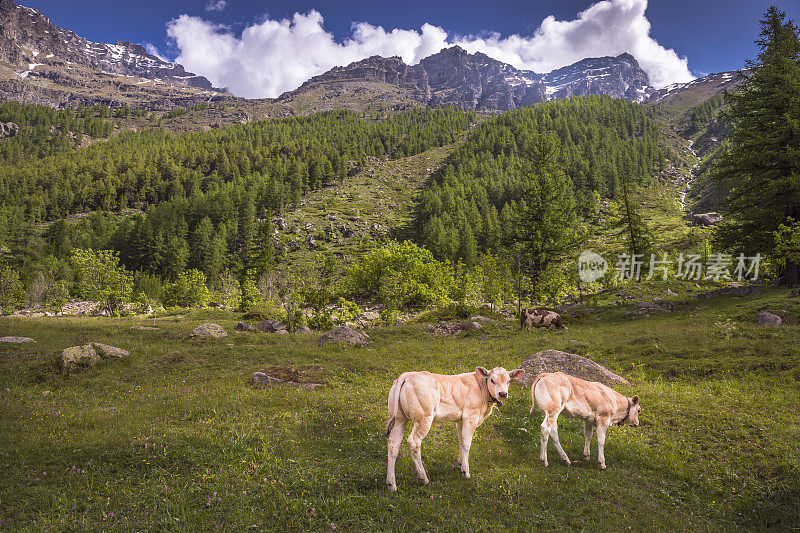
175,438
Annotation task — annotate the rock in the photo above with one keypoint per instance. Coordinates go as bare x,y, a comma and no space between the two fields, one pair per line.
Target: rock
451,328
574,365
281,332
145,328
245,326
264,379
706,219
765,318
16,340
280,222
271,326
482,320
105,351
209,330
669,292
78,357
8,129
304,330
344,335
369,315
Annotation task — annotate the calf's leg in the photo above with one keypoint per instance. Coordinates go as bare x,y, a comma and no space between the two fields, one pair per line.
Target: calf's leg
393,442
465,433
601,444
554,435
588,430
418,432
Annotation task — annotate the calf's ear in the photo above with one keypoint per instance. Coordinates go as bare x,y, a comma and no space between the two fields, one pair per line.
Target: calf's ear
635,400
482,371
516,374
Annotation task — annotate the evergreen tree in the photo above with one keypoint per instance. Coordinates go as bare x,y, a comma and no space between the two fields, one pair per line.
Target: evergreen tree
761,168
546,231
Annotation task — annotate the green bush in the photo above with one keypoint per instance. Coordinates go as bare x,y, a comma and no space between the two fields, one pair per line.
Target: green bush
265,310
189,290
401,275
11,290
101,278
320,320
249,294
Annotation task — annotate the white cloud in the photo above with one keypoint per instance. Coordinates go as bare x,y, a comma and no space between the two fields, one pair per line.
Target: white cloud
153,51
216,5
274,56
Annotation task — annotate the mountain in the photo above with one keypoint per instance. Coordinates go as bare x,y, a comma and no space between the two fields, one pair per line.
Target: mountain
476,82
43,63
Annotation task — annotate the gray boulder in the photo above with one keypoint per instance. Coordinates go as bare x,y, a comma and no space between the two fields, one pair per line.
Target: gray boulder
245,326
305,329
574,365
105,351
265,379
145,328
16,340
765,318
209,330
78,357
271,326
344,335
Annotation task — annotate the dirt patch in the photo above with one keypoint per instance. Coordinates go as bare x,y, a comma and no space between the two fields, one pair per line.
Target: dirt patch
308,378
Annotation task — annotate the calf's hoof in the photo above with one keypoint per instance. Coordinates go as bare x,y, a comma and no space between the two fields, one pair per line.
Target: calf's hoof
392,487
602,466
466,474
567,461
544,462
586,457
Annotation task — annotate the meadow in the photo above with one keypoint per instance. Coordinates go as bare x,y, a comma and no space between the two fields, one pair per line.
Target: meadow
175,436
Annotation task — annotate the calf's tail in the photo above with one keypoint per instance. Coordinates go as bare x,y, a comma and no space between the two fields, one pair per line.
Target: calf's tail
394,403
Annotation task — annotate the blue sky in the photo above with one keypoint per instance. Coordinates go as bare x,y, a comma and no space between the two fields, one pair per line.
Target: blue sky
712,35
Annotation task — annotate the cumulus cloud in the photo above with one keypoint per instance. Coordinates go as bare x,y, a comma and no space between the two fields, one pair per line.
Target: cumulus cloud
274,56
154,51
216,5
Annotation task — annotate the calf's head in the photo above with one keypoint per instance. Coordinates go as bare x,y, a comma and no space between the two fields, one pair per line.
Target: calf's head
497,381
634,408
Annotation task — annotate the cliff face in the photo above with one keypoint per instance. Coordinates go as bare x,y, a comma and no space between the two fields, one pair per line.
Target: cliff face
28,37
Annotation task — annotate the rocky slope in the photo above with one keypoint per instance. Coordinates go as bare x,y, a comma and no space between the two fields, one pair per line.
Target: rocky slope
43,63
477,82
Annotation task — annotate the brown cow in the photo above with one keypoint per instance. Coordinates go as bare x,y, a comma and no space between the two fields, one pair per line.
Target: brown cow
423,397
593,402
541,318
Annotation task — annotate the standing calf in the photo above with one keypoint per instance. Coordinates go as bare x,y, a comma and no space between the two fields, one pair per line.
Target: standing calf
423,397
541,318
593,402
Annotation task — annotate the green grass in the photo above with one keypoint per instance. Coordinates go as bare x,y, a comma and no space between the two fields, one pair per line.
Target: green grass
175,438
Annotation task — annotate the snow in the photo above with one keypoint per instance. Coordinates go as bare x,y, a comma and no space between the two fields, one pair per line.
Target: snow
48,56
35,54
24,75
32,66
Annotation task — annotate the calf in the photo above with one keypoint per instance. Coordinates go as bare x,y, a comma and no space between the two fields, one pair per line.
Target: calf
423,397
593,402
541,318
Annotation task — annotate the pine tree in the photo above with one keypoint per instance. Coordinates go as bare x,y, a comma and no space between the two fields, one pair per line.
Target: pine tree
761,167
546,231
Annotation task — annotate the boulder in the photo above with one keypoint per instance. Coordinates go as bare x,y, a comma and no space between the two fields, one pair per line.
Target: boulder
574,365
344,335
765,318
16,340
482,320
305,329
271,326
245,326
105,351
265,379
209,330
370,315
145,328
78,357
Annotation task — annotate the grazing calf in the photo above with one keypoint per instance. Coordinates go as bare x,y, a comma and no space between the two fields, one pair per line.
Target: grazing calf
423,397
541,318
593,402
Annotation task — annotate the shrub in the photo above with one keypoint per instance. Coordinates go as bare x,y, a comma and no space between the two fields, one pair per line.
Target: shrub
102,278
249,294
11,290
227,292
401,275
265,310
320,320
189,290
